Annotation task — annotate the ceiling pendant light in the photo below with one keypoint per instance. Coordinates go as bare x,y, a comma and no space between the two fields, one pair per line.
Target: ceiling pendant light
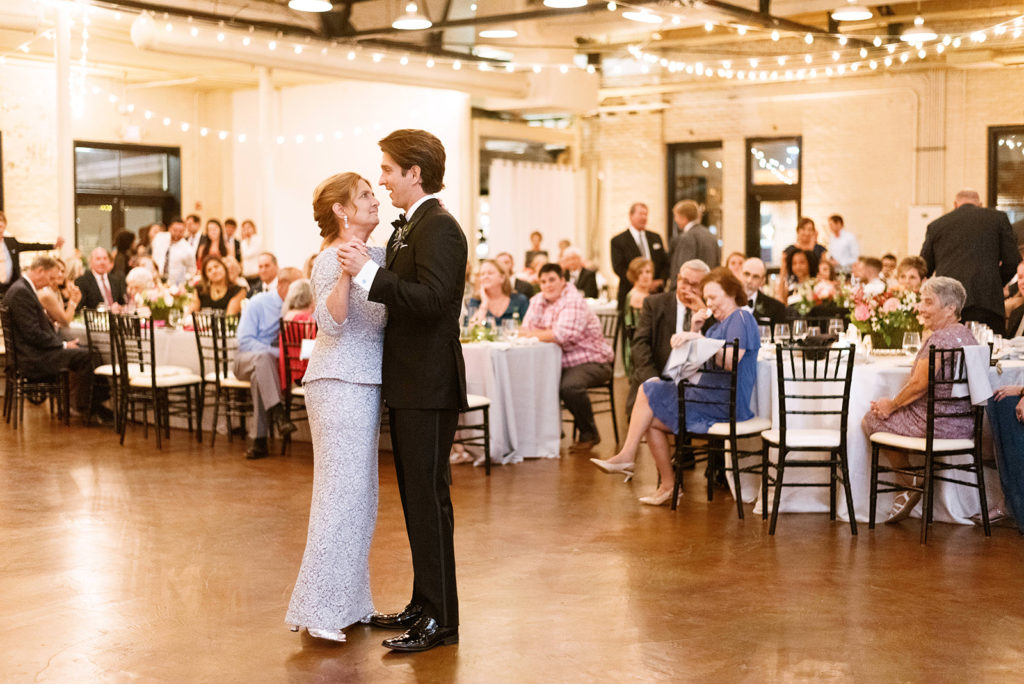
918,33
643,16
412,20
564,4
310,5
498,33
851,12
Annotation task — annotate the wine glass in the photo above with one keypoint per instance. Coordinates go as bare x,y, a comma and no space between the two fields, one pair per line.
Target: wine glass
510,330
835,327
814,331
766,334
173,318
911,343
799,329
782,333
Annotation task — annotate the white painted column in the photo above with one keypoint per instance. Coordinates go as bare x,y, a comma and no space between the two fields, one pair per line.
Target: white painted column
268,135
65,143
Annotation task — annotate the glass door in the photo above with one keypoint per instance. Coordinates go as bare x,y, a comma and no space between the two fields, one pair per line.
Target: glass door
695,172
773,197
98,217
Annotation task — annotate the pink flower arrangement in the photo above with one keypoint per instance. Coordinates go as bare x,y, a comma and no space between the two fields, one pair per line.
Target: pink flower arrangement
885,315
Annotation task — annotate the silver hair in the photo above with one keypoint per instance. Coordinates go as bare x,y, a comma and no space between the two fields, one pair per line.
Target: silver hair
299,297
139,278
948,290
968,196
696,265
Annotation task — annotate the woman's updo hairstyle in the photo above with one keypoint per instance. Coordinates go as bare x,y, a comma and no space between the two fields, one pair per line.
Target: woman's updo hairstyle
338,189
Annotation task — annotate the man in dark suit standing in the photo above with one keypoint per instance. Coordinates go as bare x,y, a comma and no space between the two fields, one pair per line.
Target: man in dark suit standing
694,240
758,303
10,248
975,246
99,285
582,278
662,316
637,241
41,352
519,285
424,376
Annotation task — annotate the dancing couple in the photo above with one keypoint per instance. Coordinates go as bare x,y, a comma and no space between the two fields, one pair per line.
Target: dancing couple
388,324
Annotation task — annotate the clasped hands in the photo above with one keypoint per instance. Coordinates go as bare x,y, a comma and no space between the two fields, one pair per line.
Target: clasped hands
883,408
352,256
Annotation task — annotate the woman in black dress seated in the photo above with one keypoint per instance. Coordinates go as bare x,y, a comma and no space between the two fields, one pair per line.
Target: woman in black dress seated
215,291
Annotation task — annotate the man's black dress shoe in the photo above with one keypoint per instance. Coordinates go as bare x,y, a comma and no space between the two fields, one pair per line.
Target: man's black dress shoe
423,636
257,449
404,620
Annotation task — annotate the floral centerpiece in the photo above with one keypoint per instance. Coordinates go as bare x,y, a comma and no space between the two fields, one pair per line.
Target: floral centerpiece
884,314
158,302
813,293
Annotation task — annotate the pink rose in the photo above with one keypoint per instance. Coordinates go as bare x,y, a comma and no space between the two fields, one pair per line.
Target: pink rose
891,305
861,312
824,290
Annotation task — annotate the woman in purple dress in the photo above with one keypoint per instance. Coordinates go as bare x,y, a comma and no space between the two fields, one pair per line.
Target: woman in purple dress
906,413
656,411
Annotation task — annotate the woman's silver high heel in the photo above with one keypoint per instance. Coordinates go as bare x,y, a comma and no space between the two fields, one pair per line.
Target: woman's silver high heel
328,634
615,468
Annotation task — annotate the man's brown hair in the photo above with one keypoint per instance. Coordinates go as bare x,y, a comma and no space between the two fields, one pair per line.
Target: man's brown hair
411,147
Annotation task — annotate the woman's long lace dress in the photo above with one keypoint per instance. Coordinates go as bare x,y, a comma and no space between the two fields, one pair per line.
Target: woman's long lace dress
342,384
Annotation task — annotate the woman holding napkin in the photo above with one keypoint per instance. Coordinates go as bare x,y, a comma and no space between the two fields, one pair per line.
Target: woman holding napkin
906,413
656,412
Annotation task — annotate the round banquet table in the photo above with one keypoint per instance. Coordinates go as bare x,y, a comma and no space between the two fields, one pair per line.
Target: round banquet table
521,380
875,377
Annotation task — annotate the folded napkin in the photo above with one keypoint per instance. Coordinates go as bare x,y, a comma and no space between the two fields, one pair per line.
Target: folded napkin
686,361
976,357
306,350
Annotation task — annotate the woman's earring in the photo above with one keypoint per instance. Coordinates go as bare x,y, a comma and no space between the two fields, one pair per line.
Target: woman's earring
344,218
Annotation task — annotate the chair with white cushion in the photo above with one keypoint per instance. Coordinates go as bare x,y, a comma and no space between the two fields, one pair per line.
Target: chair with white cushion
721,438
813,382
216,344
171,391
477,434
946,368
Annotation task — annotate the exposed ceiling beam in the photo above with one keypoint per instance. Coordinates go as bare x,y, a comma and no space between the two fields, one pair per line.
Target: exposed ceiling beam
767,20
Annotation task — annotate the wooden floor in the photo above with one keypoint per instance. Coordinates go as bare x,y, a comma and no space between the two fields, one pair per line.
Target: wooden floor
132,564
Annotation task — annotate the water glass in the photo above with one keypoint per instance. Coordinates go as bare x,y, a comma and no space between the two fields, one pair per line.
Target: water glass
766,334
835,327
911,343
866,344
782,333
510,330
813,331
173,318
799,329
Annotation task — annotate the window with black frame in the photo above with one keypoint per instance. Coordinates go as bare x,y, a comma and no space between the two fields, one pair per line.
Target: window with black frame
695,172
1006,171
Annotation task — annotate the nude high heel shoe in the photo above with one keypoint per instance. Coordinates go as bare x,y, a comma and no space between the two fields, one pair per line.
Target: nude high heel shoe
657,499
615,468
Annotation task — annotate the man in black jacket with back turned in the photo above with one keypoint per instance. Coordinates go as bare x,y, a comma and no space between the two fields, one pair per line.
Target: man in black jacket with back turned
975,246
424,376
10,249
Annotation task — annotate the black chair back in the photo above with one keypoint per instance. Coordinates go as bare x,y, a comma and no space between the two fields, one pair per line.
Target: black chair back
801,371
947,368
10,347
714,393
610,329
97,335
134,347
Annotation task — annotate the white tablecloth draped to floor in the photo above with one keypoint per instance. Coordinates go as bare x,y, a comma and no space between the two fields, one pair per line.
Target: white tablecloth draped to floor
521,380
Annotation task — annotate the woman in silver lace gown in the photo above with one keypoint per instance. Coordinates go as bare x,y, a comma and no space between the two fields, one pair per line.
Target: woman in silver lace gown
343,401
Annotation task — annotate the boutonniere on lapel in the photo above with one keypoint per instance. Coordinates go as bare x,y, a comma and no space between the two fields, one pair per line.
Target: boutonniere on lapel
401,231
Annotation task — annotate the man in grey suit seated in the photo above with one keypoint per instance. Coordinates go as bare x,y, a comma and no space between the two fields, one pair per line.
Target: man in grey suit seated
257,361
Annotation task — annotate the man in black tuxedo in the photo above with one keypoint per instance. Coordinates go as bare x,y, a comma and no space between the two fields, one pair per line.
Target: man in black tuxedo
41,352
975,246
99,285
758,303
424,376
636,241
584,279
10,248
694,240
662,316
519,285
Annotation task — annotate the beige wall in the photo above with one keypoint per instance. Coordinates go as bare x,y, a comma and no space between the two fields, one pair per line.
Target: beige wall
873,147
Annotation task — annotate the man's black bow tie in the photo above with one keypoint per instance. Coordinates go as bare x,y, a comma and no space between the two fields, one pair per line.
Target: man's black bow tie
400,223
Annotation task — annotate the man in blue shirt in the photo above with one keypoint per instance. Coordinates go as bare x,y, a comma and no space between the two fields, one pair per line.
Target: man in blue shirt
257,361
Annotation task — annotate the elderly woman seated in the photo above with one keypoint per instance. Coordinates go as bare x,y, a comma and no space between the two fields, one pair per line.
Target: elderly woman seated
138,279
906,413
656,412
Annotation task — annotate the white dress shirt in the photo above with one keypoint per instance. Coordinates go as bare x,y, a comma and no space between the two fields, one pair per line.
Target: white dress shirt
844,248
6,264
640,237
181,264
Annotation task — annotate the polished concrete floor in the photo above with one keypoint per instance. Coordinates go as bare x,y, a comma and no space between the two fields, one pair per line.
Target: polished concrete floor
132,564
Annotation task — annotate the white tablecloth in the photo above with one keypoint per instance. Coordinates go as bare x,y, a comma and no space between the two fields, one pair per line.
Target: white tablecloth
521,380
879,377
173,347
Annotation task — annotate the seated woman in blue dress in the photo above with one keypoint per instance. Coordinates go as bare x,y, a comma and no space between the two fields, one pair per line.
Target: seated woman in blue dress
656,412
496,299
1006,414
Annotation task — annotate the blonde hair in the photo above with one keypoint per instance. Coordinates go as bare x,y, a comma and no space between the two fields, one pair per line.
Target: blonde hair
338,189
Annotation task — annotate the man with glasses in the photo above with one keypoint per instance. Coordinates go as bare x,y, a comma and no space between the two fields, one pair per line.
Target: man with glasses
662,316
758,303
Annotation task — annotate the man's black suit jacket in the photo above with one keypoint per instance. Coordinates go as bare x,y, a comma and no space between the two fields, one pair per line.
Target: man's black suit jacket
975,246
587,283
91,294
625,249
522,287
769,307
422,288
15,247
38,345
654,330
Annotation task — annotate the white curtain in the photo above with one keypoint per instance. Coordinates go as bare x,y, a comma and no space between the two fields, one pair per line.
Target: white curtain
525,197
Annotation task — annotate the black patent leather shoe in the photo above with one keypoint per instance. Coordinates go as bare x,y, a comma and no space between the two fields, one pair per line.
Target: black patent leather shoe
423,636
403,620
